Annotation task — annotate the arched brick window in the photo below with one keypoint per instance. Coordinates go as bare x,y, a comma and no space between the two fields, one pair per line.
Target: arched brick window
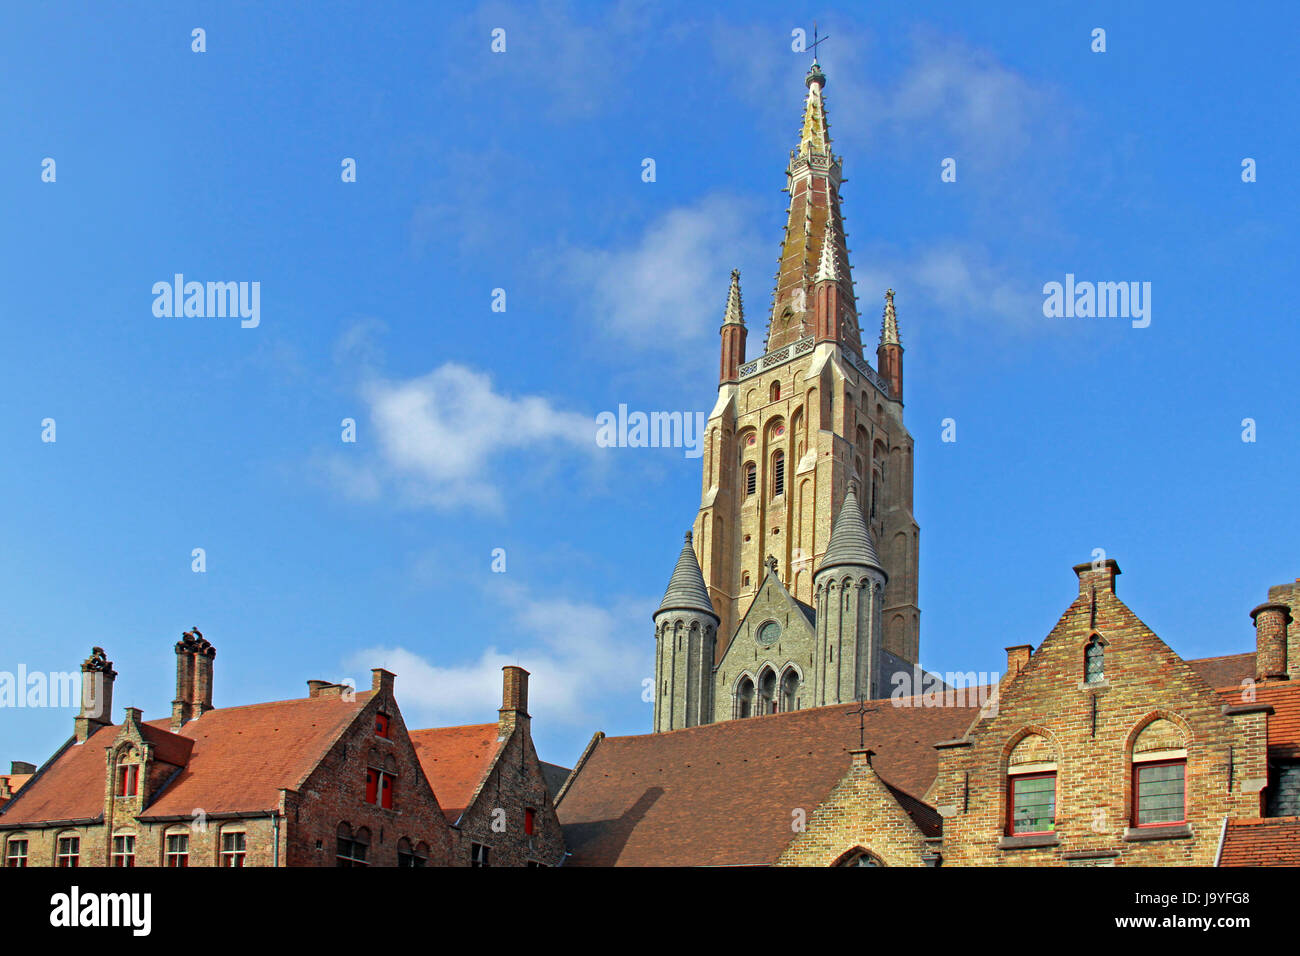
352,846
1159,760
1031,787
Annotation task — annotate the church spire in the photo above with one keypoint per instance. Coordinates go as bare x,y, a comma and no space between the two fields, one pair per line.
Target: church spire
815,242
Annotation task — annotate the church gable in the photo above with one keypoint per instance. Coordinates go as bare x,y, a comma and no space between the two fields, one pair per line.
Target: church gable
765,667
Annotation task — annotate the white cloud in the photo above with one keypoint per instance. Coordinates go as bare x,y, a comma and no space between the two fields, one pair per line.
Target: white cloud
445,439
581,659
668,287
948,287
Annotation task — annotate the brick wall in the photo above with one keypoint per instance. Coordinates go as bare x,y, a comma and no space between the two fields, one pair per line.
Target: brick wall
860,814
1090,731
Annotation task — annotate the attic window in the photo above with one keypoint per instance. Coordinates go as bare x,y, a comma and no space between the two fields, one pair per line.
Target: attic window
478,854
381,725
1094,660
530,821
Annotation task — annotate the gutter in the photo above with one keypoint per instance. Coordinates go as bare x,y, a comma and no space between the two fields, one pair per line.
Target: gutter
1223,835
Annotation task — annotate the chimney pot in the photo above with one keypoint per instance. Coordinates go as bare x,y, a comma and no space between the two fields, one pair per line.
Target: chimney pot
314,687
97,677
1271,622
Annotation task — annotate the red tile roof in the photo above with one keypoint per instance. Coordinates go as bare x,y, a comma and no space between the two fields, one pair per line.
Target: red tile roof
1284,722
1268,842
724,793
244,755
239,759
1227,671
456,760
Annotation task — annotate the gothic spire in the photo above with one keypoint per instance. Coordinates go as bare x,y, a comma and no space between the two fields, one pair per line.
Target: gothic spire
814,222
889,322
735,314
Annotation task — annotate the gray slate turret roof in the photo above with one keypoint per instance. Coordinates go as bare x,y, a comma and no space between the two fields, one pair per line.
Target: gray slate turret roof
686,590
850,538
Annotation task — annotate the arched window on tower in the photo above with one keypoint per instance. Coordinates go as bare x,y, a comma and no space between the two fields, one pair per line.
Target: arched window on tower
751,478
745,698
776,391
778,474
767,699
789,690
875,492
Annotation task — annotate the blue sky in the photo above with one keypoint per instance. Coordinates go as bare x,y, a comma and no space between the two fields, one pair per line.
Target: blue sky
522,171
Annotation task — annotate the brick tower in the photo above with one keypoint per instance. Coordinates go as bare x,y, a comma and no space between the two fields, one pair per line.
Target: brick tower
791,430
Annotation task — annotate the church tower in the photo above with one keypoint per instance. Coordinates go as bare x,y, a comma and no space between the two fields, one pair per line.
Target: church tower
792,430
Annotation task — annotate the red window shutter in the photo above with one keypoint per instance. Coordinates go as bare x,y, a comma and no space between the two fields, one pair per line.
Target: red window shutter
372,782
381,725
386,789
530,816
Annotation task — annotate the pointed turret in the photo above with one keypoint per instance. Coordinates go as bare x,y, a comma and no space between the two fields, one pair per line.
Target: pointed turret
850,543
814,245
733,333
686,633
849,587
889,353
686,590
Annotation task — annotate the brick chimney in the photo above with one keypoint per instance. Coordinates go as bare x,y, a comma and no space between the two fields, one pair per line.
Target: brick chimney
514,698
1017,657
97,677
1271,622
381,681
194,656
1100,575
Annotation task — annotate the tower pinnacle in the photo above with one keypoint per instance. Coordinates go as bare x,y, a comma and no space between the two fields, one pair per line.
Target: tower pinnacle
735,312
889,321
